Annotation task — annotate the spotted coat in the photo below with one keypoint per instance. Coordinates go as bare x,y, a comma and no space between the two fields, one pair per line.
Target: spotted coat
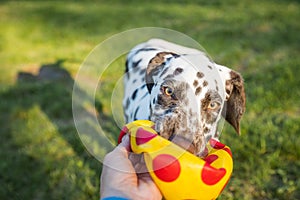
182,91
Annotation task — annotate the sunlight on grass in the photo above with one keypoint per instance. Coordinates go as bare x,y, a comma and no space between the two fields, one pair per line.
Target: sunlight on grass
64,172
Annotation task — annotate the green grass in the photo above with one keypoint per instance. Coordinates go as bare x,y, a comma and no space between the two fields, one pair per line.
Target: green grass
41,154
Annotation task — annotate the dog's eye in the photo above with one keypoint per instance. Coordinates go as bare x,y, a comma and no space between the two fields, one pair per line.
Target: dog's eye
213,105
168,91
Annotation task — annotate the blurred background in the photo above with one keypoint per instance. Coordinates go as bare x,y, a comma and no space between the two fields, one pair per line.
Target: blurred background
43,43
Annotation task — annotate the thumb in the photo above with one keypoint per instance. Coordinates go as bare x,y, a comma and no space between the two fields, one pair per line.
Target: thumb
125,143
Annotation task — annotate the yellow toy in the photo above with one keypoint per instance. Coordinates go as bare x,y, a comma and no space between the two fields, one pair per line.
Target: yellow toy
177,173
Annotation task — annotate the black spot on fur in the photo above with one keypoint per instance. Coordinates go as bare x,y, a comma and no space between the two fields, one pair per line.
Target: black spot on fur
135,114
146,94
135,64
143,71
178,71
145,49
200,75
164,72
127,103
206,130
195,83
126,66
198,90
210,67
168,111
175,55
134,94
168,59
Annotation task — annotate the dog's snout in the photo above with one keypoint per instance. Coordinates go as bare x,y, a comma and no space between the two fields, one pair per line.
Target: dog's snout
183,143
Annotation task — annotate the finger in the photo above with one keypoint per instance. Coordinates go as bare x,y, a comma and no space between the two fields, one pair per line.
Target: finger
144,176
125,142
119,153
138,162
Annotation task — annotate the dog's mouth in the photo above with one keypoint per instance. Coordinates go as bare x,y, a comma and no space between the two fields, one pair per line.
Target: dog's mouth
183,142
166,128
180,140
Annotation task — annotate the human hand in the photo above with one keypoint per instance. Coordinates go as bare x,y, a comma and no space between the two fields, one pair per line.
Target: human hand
119,176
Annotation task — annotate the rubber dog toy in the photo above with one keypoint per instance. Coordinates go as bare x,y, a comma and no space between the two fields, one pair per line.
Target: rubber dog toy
177,173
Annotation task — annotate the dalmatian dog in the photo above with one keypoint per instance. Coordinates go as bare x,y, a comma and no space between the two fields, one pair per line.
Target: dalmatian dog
183,92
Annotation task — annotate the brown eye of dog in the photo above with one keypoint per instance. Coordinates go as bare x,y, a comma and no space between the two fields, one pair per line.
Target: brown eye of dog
213,105
168,91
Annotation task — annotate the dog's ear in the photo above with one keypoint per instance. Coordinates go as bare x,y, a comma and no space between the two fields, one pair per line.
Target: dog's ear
235,100
156,64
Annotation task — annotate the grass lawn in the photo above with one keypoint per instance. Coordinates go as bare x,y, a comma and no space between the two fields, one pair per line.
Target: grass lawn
41,154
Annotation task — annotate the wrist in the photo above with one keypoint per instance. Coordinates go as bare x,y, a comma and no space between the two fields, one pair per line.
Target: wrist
114,198
115,194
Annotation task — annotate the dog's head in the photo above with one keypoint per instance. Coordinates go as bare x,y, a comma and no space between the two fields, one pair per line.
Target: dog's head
189,95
